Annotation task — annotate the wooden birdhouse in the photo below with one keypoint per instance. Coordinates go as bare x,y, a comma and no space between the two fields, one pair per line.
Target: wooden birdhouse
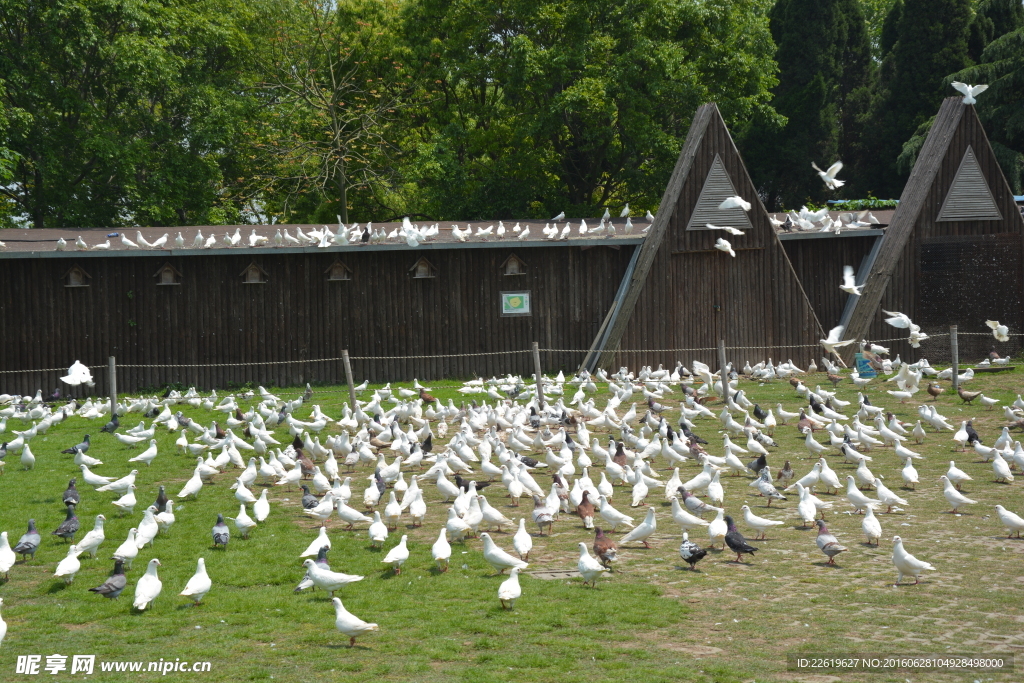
76,277
423,269
254,275
338,271
167,275
514,265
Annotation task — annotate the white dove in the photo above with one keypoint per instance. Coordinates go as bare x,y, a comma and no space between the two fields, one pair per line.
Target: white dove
1000,332
724,246
199,585
498,558
589,568
148,587
729,229
510,590
906,563
954,497
1010,520
643,531
850,282
349,624
829,176
969,91
833,341
735,202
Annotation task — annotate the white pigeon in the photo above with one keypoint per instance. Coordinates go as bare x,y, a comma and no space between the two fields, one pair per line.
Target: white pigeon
397,556
871,526
829,176
969,91
735,202
909,472
643,530
589,568
897,320
759,524
954,497
724,246
498,558
378,531
127,551
243,522
148,587
729,229
91,542
1010,520
441,551
613,516
7,556
349,624
522,541
850,282
261,508
69,566
856,498
509,590
199,585
906,563
147,456
717,529
957,475
325,579
999,331
834,339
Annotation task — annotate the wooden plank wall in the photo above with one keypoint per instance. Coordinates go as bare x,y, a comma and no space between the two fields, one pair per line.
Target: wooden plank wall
903,294
695,294
213,317
818,264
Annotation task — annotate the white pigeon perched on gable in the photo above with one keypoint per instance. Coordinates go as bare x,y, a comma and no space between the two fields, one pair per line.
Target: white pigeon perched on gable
735,202
969,91
199,585
829,176
148,587
906,563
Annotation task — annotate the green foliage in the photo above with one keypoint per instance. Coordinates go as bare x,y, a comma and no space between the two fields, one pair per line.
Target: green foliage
533,107
931,41
127,112
823,90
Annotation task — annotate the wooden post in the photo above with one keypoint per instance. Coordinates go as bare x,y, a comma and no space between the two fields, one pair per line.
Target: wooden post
112,370
954,350
724,373
536,366
348,378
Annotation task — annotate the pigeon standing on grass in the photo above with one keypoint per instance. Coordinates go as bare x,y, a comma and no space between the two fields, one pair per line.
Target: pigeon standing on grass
828,543
149,586
691,552
112,587
199,585
734,539
906,563
221,532
349,624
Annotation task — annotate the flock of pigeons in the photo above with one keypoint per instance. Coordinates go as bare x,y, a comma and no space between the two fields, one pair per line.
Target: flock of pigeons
412,234
499,443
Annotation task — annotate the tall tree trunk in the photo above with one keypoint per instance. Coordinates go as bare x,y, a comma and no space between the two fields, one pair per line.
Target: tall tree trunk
343,192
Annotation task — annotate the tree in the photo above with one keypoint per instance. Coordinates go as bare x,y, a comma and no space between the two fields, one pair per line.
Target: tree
127,109
823,90
931,41
333,87
531,107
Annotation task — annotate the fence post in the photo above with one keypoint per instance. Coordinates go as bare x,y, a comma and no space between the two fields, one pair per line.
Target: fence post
348,378
536,367
724,374
954,350
112,370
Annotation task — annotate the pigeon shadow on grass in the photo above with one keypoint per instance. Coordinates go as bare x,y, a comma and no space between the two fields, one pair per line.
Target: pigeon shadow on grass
826,564
57,587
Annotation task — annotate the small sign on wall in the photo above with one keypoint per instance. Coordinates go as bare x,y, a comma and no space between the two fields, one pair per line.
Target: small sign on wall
515,303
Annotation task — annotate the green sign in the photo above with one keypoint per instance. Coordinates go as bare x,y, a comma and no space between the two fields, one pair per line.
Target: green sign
515,303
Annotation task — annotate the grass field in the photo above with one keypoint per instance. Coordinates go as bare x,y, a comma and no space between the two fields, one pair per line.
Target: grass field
648,621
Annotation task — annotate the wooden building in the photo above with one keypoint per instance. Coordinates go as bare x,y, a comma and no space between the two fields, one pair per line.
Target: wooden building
954,250
684,293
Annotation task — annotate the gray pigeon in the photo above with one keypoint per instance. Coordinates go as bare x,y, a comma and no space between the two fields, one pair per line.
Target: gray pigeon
308,499
84,447
161,500
111,426
321,562
71,493
113,586
828,543
69,527
28,544
221,532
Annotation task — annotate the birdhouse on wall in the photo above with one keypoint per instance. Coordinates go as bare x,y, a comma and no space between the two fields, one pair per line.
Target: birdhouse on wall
254,275
423,269
167,275
338,271
514,265
76,277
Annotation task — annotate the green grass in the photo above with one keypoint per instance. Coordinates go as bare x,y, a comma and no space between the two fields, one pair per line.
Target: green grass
649,621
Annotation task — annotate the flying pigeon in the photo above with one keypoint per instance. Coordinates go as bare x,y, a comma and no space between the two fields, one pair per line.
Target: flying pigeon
833,341
728,229
897,320
850,282
1000,332
723,245
969,91
735,202
829,176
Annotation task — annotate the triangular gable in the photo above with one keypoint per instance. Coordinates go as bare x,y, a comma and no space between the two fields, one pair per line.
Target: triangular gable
970,198
694,294
717,186
956,191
